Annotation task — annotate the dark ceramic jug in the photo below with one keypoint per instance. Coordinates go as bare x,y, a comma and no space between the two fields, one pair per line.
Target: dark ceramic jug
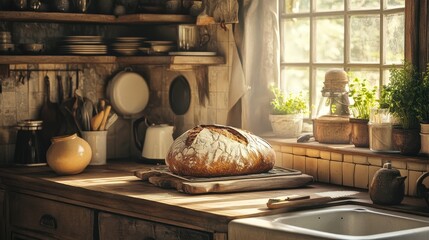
387,186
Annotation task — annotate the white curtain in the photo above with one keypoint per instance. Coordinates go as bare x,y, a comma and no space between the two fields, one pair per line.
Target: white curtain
256,63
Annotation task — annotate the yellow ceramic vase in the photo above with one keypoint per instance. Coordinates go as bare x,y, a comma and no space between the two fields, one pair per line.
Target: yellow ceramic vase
68,154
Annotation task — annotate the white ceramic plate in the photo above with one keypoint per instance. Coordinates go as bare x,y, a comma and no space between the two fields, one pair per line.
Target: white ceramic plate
128,93
192,53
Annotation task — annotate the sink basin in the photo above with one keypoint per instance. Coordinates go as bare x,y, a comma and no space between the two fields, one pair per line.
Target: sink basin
337,222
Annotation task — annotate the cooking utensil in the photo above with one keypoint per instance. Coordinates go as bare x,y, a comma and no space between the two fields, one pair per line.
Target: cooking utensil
88,106
50,115
112,119
128,93
96,121
180,95
295,201
105,115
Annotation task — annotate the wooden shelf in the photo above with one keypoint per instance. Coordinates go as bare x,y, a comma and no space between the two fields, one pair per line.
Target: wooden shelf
172,60
147,60
41,59
94,18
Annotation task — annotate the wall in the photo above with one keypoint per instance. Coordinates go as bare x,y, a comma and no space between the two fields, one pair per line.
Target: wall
23,101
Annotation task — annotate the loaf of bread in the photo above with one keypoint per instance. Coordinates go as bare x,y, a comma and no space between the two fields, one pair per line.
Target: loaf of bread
217,150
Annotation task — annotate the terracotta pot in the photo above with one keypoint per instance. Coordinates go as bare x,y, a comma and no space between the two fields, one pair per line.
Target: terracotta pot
360,132
68,154
406,140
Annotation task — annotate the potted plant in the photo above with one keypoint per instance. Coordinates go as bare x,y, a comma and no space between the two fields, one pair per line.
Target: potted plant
364,99
287,113
403,94
422,108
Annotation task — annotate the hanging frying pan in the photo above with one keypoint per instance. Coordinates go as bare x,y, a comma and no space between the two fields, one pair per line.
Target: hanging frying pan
128,93
180,95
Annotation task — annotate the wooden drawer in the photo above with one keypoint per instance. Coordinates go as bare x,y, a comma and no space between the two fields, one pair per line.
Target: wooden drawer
50,218
115,227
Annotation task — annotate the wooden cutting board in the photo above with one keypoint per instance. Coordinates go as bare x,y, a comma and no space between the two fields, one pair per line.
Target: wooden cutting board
278,179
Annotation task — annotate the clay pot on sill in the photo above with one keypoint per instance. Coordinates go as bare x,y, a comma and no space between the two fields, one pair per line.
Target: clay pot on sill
406,140
360,132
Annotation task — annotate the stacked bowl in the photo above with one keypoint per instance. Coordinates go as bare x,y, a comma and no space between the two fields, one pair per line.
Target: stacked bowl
6,45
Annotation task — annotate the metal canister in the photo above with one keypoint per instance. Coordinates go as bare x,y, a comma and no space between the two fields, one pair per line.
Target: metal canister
29,149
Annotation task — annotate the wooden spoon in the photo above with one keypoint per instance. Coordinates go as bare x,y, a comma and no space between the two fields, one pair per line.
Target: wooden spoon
96,121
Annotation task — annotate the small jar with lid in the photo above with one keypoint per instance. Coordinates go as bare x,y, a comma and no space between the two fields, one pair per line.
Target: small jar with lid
28,148
335,96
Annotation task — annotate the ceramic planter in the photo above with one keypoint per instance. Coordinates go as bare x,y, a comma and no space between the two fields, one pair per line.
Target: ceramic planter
360,132
424,138
406,140
289,125
424,128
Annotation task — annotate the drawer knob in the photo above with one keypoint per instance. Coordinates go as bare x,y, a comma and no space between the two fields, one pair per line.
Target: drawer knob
48,221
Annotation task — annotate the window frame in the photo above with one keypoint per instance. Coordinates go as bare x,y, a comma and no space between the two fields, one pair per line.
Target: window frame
346,64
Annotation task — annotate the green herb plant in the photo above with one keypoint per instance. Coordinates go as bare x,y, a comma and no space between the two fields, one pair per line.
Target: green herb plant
364,97
402,94
422,103
283,104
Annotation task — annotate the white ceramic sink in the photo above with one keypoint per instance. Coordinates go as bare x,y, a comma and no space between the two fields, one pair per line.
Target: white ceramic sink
336,222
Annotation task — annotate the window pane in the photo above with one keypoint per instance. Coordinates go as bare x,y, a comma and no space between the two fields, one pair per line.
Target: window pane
296,6
395,38
386,77
329,5
395,3
364,4
296,40
295,79
365,39
320,79
372,75
329,40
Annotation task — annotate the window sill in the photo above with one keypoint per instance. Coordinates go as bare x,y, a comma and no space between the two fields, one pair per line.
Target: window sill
347,149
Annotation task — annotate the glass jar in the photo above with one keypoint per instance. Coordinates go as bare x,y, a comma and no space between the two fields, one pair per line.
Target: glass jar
335,98
28,148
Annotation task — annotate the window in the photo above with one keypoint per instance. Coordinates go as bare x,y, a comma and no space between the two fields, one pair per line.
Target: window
363,37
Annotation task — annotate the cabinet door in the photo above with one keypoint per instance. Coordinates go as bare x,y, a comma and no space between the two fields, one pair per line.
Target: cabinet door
50,218
115,227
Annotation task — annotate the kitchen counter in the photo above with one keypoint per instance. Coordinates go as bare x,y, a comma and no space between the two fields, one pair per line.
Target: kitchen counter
114,188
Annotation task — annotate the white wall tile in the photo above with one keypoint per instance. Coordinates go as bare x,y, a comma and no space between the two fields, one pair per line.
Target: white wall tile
287,159
348,174
361,176
323,170
311,166
299,163
336,172
325,155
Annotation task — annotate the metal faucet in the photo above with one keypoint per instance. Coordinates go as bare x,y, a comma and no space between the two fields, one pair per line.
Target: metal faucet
421,189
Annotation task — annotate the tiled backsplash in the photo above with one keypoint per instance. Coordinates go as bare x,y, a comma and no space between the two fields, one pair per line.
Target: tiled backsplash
346,168
20,101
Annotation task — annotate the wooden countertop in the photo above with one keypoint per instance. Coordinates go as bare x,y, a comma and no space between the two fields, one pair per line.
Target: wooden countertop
114,188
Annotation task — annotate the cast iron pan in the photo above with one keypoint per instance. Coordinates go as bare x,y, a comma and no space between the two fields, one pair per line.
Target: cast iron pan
180,95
